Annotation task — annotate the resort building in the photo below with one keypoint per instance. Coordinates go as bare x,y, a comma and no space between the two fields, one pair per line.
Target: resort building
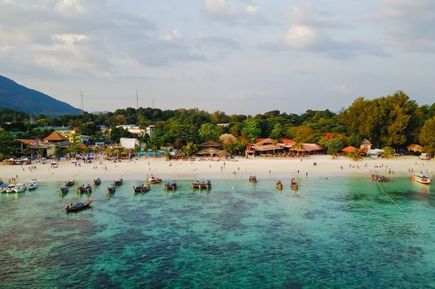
263,146
129,143
150,129
133,129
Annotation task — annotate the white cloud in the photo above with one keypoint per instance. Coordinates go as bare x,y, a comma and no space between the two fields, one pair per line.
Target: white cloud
312,30
217,7
69,7
223,11
70,39
342,89
300,37
251,9
174,35
93,36
410,24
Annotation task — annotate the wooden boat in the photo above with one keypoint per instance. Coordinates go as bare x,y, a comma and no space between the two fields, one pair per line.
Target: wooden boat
422,179
97,182
278,186
141,188
253,179
379,178
294,185
78,206
118,182
64,190
171,186
111,190
84,189
203,185
154,180
33,185
69,183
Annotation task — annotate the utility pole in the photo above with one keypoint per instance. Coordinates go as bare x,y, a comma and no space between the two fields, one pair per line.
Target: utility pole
152,102
137,99
82,103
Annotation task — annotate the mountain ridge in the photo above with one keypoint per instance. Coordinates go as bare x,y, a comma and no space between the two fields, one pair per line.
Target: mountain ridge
20,98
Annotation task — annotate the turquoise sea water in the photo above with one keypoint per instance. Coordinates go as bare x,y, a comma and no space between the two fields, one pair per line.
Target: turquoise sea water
335,233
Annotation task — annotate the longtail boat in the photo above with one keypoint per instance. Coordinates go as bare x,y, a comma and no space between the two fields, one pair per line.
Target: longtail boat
78,206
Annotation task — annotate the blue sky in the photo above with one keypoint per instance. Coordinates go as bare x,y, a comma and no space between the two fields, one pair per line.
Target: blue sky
237,56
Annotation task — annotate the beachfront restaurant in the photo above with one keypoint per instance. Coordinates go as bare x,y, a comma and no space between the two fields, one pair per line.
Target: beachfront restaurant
263,147
306,148
213,152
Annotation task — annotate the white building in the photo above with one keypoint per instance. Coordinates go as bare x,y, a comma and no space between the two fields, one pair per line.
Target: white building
150,129
129,143
133,129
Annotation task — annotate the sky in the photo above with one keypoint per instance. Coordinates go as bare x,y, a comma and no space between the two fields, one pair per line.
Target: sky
237,56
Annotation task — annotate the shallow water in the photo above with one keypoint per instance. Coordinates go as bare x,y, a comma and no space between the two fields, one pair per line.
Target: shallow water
335,233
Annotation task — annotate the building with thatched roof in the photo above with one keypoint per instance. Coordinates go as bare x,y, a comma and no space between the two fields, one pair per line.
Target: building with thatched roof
55,137
286,142
307,148
416,148
227,138
213,152
211,144
263,146
264,141
366,145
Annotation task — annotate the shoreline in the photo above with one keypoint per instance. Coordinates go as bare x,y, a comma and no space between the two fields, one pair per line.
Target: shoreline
238,168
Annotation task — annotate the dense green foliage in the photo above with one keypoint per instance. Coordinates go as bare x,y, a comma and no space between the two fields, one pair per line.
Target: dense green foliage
427,135
394,121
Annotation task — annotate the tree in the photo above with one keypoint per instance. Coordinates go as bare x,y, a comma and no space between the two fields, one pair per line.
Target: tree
390,120
277,131
209,131
251,129
8,146
235,129
117,133
235,148
388,152
190,149
427,135
184,132
333,146
89,128
156,140
302,134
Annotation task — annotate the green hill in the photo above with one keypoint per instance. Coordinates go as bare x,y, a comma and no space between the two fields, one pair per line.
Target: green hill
21,98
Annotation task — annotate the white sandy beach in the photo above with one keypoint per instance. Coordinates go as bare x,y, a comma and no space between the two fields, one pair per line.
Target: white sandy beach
239,168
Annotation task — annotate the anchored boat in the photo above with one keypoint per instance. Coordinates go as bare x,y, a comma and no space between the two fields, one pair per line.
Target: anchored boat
33,185
278,186
141,188
422,179
78,206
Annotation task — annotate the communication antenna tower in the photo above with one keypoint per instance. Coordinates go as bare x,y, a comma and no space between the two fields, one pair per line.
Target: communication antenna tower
82,103
137,98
